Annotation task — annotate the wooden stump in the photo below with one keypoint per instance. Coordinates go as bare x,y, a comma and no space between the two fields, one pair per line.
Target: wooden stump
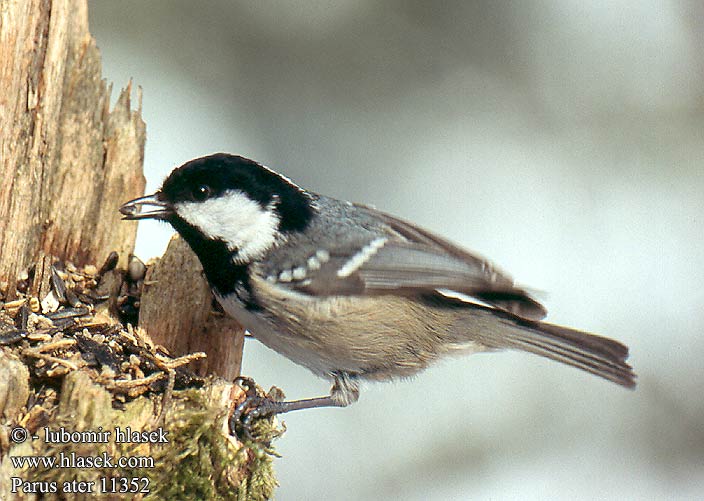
177,311
67,162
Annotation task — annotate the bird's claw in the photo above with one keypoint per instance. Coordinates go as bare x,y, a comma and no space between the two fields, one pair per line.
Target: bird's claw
253,407
247,384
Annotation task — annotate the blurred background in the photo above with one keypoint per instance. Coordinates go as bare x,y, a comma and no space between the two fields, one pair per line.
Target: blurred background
563,139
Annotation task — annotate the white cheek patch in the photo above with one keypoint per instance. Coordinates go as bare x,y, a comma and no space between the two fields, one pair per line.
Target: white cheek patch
236,220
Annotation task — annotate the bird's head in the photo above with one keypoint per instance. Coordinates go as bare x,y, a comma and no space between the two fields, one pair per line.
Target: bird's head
229,202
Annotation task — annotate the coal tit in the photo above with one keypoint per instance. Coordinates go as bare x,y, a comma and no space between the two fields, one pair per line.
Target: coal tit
348,291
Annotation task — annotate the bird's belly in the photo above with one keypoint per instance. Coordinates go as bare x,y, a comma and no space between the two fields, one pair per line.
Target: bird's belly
382,337
278,336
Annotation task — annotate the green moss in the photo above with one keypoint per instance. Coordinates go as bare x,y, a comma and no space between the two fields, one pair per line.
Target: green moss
199,462
202,463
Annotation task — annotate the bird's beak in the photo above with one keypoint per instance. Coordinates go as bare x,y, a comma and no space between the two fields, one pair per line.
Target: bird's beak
149,207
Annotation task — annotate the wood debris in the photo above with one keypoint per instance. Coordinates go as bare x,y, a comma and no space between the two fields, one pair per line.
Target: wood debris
84,322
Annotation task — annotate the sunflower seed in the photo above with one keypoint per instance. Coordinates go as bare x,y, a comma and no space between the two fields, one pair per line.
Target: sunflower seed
72,299
58,285
69,313
109,264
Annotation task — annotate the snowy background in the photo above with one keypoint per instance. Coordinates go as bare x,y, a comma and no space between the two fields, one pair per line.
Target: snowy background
562,139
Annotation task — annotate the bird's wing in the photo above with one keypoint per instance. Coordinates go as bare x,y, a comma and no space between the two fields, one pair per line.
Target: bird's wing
408,260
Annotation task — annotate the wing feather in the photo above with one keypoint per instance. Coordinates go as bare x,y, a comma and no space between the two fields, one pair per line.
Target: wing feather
411,260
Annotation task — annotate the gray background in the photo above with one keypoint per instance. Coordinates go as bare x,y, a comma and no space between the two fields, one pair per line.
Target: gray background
563,139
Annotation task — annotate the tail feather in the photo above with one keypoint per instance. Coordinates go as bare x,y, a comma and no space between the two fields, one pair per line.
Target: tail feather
618,373
597,355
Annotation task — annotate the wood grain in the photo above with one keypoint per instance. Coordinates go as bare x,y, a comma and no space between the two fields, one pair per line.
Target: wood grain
66,160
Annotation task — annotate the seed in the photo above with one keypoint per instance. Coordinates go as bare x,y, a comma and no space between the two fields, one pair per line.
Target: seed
85,298
72,299
69,313
22,285
59,285
90,269
63,323
110,263
23,316
136,269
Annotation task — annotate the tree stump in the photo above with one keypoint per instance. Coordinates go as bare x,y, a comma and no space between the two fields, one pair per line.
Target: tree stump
67,162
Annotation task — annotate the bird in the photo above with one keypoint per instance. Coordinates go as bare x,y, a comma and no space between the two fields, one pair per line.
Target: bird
349,292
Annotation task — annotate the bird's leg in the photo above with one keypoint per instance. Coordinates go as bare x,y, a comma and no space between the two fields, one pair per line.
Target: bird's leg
345,391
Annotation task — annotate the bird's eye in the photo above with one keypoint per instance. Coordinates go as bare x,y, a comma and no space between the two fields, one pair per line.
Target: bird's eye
201,192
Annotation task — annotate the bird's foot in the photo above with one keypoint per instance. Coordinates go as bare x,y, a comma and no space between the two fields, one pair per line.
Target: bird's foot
253,407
